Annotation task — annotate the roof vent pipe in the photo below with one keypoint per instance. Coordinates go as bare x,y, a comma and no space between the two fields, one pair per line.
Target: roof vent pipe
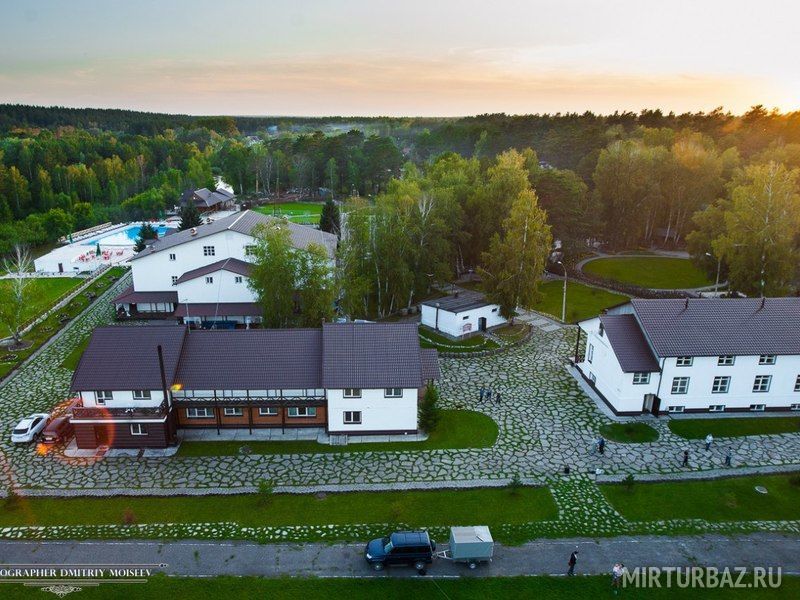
686,304
193,231
763,302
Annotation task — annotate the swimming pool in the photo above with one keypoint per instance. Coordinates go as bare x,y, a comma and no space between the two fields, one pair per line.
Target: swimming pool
122,237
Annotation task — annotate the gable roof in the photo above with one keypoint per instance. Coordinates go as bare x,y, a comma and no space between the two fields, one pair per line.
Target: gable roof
243,222
720,326
126,358
206,197
629,344
234,265
459,302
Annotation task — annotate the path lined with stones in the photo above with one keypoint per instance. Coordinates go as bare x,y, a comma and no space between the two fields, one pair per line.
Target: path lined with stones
545,422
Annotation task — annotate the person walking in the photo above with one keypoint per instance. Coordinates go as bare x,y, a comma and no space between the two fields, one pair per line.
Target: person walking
709,441
685,458
497,397
728,458
488,395
573,559
483,393
616,577
601,445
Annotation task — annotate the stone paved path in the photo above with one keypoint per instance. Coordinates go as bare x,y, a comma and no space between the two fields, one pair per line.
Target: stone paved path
545,422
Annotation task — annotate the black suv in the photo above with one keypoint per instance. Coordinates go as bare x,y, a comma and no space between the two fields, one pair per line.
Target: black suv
401,548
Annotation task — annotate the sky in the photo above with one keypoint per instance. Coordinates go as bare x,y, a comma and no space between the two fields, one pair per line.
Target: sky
401,57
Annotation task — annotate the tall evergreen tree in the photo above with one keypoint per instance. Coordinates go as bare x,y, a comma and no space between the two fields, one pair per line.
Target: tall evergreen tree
330,219
190,217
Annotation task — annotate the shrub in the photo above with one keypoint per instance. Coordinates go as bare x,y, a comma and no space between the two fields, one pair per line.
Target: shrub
12,499
628,482
128,517
265,490
515,484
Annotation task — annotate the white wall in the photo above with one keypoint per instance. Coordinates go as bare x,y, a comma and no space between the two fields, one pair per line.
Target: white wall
377,412
463,323
223,289
123,399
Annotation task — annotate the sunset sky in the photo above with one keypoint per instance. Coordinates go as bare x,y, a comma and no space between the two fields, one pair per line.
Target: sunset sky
411,57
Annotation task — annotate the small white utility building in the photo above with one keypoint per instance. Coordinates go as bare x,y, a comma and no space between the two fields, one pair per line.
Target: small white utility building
461,314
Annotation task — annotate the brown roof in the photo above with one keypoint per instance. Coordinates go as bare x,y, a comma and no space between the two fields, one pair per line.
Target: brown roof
221,309
629,343
430,364
234,265
131,297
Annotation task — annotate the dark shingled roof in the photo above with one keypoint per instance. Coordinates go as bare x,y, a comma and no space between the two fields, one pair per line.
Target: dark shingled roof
126,358
371,355
255,359
234,265
221,309
243,222
721,326
629,343
131,297
430,364
466,300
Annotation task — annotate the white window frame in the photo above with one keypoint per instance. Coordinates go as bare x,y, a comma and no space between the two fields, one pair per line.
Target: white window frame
301,412
237,279
758,385
349,417
138,429
717,386
249,250
174,280
172,256
351,393
393,392
103,396
758,407
641,378
797,384
142,395
795,406
268,411
590,353
726,360
196,410
675,409
684,361
767,359
716,408
680,386
209,251
233,411
209,279
592,377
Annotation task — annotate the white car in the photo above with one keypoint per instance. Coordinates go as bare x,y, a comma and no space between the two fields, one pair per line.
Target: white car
29,427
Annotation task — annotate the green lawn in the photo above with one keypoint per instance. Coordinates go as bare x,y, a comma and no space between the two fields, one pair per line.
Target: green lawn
402,588
456,429
430,339
43,293
657,272
72,359
732,499
629,433
298,212
490,506
695,429
583,301
512,333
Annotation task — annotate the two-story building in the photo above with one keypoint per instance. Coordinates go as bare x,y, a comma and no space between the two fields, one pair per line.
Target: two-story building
694,355
200,276
139,385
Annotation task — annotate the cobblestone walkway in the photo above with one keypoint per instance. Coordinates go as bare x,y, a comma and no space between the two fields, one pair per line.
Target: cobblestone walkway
545,421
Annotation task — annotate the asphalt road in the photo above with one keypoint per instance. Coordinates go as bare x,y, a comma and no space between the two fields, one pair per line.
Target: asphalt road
544,557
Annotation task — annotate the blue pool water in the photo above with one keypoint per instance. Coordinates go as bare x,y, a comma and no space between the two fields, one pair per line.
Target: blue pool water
123,237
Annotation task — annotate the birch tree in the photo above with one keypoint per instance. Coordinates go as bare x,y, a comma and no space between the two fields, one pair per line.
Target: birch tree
14,297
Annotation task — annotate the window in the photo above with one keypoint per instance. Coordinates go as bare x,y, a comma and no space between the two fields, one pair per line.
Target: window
174,280
352,417
767,359
601,329
465,318
716,408
684,361
102,396
726,361
237,279
268,411
680,385
232,411
172,257
675,409
761,383
141,395
209,279
209,251
757,407
302,411
249,250
494,310
641,378
795,406
721,385
797,384
590,353
198,413
138,429
592,378
393,393
352,393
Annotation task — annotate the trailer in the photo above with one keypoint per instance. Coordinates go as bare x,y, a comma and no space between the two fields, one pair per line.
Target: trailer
469,545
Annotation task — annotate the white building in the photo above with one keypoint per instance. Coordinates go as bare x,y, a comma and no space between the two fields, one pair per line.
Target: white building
695,355
201,275
461,314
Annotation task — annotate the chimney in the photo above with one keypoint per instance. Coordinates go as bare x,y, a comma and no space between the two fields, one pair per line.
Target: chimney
193,231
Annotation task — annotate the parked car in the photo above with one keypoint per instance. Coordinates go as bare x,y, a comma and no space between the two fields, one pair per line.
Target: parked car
57,430
401,548
29,427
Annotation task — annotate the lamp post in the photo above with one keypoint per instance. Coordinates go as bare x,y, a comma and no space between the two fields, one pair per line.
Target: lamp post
186,319
719,266
564,296
437,316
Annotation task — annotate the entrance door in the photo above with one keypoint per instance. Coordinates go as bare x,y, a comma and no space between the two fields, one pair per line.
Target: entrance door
656,405
101,435
651,404
60,267
481,323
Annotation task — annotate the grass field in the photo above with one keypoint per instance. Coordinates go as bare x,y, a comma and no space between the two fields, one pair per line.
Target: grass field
43,293
496,506
629,433
456,429
307,213
430,339
695,429
403,588
657,272
583,301
732,499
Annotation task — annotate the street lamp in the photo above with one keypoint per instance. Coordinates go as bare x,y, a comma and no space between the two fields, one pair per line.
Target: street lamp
186,318
719,266
564,297
437,316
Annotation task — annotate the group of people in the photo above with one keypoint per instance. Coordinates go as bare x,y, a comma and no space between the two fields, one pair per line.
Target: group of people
487,395
617,571
708,441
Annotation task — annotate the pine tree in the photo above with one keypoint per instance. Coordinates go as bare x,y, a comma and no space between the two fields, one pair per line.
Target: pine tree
190,217
330,219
